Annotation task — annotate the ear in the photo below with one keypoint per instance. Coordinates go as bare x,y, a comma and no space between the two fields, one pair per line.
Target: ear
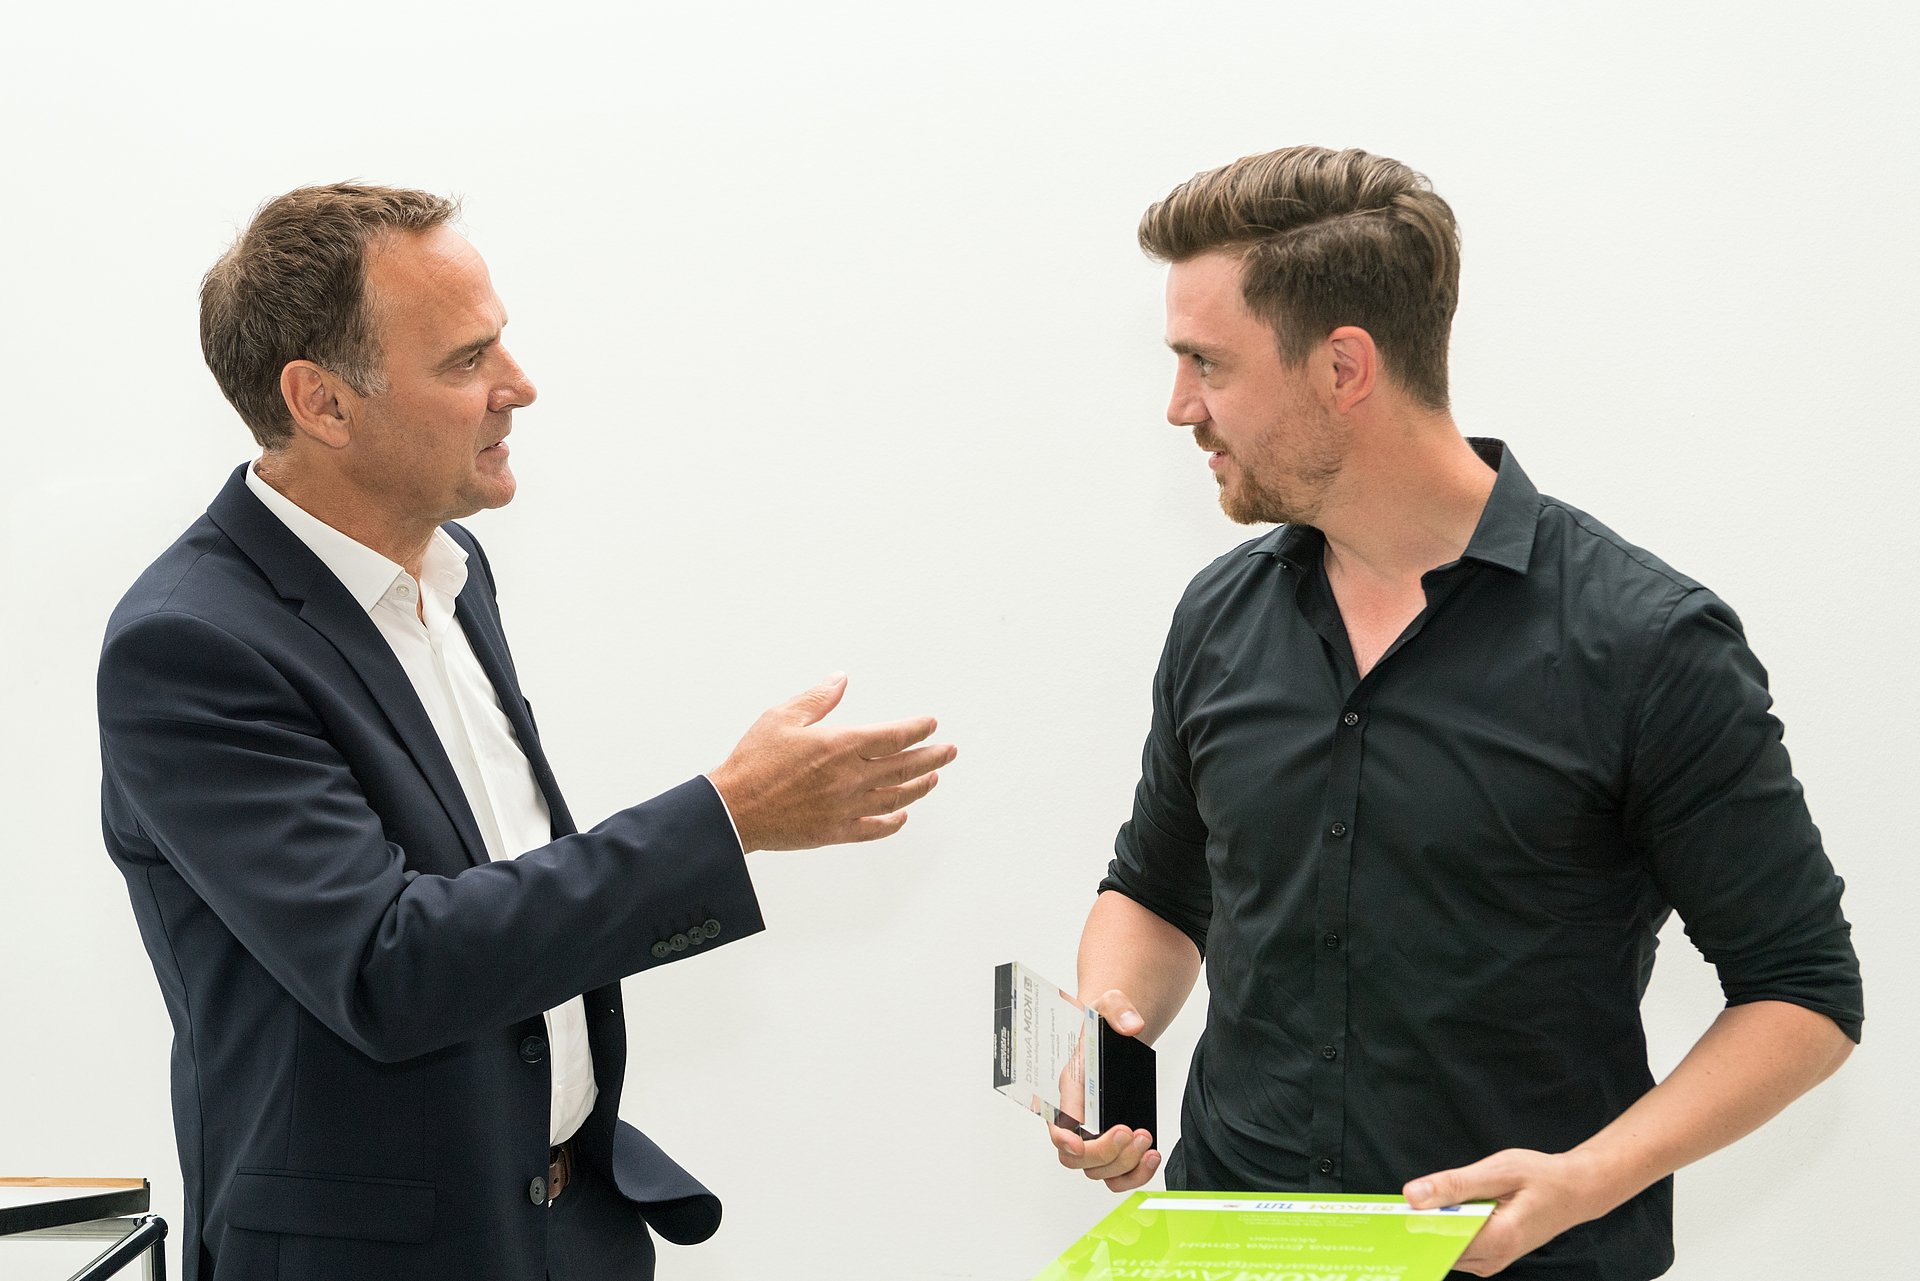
1356,366
319,403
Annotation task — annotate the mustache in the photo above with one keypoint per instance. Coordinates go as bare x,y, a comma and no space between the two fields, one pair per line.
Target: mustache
1206,441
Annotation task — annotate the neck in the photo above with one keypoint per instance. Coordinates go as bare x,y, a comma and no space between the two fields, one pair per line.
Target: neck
1407,500
347,510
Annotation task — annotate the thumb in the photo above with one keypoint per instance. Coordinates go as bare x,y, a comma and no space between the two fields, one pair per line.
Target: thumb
813,705
1452,1187
1116,1007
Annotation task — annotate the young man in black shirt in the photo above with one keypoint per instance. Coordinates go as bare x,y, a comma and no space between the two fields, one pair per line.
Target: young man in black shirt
1429,766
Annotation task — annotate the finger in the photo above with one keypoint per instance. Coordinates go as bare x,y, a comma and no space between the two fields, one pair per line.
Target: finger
1066,1141
882,740
1483,1258
885,800
1077,1153
1433,1191
1487,1179
1125,1159
1495,1242
1116,1007
1142,1173
873,829
813,705
1478,1263
1109,1150
904,767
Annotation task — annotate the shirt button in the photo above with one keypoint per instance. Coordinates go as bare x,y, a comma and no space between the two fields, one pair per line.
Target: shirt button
537,1190
1328,1053
662,950
1351,718
1326,1165
533,1049
1338,829
1331,940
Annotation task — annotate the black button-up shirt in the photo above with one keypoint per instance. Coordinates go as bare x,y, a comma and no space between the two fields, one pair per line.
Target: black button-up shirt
1428,899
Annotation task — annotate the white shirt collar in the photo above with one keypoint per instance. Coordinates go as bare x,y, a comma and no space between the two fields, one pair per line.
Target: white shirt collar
364,572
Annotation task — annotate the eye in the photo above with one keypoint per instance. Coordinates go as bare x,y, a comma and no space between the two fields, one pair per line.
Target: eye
1202,364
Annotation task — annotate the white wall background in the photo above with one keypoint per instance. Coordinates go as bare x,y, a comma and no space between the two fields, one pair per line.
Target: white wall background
847,361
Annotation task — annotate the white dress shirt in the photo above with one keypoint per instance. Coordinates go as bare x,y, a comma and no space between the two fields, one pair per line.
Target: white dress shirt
465,711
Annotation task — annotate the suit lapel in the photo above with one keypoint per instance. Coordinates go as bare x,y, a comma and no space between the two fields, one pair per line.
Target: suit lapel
297,574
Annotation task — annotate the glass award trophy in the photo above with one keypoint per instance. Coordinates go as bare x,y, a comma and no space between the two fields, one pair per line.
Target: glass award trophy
1054,1056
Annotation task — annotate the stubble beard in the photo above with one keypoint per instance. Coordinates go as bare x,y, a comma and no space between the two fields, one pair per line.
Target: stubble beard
1273,490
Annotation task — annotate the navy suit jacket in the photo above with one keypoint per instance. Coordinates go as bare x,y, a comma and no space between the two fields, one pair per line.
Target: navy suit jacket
360,1070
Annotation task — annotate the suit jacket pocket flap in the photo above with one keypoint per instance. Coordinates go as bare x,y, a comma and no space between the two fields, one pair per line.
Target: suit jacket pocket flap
330,1205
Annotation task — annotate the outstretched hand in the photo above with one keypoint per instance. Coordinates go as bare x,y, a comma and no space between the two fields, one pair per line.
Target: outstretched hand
794,784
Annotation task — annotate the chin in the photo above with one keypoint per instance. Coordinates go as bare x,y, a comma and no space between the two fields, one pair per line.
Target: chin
1257,509
1238,509
493,491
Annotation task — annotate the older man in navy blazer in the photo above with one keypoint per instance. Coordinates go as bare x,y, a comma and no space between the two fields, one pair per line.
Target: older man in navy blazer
392,963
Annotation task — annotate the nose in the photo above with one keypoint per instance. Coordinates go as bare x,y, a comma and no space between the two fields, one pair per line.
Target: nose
515,390
1186,408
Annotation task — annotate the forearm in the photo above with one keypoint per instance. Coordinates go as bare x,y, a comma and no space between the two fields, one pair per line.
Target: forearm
1752,1062
1126,947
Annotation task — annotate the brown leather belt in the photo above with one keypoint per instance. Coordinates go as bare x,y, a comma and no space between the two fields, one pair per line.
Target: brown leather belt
559,1170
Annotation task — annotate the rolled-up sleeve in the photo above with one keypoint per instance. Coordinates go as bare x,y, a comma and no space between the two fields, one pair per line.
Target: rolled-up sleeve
1713,807
1160,855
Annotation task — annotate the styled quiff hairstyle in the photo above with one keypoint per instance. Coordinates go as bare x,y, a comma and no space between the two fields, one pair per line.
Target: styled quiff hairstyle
293,287
1328,238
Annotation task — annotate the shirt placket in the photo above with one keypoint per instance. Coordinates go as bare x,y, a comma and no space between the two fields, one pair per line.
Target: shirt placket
1327,1130
1338,835
1333,859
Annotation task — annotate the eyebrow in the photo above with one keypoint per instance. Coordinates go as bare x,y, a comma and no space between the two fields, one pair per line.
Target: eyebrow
473,348
1185,348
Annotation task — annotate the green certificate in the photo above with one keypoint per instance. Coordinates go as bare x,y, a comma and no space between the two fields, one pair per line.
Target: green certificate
1263,1236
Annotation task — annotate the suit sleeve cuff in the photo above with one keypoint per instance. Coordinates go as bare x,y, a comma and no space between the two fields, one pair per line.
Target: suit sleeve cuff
729,813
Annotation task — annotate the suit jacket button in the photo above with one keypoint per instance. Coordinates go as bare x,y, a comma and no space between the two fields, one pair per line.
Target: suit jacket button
537,1190
711,929
533,1049
679,942
662,950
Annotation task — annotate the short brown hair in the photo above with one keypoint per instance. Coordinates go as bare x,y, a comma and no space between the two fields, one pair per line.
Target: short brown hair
292,287
1328,238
